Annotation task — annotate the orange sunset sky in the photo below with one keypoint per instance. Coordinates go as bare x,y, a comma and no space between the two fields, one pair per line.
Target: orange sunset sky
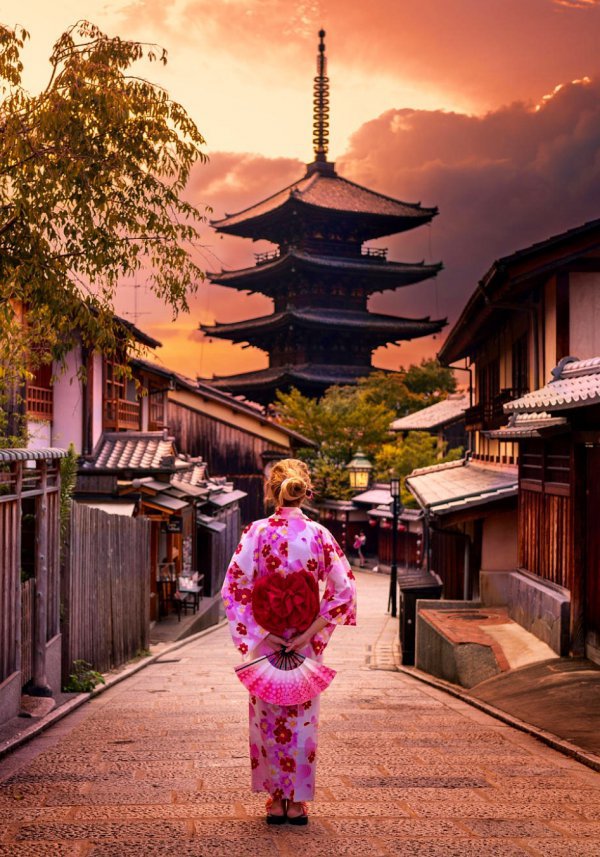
489,109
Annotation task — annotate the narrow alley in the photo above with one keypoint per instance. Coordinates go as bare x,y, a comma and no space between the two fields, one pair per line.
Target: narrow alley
158,765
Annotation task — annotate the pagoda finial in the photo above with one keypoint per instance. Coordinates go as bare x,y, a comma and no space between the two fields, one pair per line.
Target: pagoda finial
321,104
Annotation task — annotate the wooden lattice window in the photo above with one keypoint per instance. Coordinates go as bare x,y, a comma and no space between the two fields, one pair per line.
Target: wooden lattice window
546,466
121,408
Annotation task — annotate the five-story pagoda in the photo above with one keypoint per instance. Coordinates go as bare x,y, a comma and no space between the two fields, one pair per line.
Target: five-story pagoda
321,276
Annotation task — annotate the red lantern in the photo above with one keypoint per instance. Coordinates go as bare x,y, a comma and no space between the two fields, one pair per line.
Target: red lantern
372,522
401,528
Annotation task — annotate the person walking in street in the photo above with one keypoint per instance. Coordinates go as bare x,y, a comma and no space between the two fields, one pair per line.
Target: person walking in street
358,545
272,601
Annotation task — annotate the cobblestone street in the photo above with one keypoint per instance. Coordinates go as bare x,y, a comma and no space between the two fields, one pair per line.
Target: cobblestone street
158,765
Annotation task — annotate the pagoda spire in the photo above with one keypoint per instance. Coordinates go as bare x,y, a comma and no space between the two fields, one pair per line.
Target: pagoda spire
321,104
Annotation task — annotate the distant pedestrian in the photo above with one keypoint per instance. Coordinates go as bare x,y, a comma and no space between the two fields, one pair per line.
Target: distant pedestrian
358,545
273,604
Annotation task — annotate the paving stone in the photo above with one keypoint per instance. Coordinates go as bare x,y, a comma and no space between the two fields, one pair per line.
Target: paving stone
456,847
41,849
97,832
200,847
494,827
564,847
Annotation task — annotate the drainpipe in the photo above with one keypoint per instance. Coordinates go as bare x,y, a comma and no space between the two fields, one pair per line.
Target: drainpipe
467,568
468,369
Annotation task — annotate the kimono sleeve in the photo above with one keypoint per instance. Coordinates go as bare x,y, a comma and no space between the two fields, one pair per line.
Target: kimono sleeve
338,604
237,594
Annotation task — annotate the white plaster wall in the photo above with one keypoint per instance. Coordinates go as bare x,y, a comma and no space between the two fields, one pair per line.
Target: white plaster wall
39,435
584,315
68,404
97,399
499,542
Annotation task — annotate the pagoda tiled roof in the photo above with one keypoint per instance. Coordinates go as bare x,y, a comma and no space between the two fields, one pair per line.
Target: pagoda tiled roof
394,327
328,192
380,273
276,376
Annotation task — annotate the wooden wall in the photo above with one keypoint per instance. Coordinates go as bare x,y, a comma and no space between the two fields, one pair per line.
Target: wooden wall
105,589
10,615
546,544
228,451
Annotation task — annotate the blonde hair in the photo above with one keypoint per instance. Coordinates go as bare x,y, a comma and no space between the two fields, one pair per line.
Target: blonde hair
289,481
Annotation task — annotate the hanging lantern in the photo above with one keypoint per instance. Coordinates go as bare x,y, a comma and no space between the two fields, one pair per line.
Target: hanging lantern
372,522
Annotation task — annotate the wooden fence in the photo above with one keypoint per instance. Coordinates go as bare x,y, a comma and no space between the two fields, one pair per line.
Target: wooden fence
27,620
106,589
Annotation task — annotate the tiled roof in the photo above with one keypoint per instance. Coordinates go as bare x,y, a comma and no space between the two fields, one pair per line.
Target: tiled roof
577,384
448,411
329,192
380,273
135,451
366,322
376,496
32,454
528,425
459,485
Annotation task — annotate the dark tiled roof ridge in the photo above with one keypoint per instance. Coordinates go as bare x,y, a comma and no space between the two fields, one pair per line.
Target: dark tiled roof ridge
289,187
431,209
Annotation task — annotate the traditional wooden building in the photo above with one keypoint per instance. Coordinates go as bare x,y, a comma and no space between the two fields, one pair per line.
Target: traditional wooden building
529,311
558,431
320,276
233,438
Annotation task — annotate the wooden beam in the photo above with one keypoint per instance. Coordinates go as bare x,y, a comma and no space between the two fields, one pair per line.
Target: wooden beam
562,316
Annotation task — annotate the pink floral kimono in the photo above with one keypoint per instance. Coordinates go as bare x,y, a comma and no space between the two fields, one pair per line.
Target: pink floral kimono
283,739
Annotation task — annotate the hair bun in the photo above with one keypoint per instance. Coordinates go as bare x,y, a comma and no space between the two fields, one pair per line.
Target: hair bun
293,488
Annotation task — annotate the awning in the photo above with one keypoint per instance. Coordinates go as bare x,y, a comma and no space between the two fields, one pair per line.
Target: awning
116,508
165,503
575,384
377,496
210,523
459,485
225,498
524,426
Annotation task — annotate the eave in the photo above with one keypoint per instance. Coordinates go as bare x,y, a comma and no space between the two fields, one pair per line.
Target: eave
376,276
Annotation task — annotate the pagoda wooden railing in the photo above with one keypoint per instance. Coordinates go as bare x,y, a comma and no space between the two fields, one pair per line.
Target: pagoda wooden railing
39,402
376,253
264,258
121,414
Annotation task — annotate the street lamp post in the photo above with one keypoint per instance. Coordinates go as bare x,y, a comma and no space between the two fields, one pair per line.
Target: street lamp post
395,492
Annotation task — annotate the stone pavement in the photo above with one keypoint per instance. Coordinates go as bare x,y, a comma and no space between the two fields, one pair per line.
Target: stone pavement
158,765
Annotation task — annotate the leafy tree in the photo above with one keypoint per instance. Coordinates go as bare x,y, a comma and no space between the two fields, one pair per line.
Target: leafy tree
347,418
340,422
403,455
430,380
92,171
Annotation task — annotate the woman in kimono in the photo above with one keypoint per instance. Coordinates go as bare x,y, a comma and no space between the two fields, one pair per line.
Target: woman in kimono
283,739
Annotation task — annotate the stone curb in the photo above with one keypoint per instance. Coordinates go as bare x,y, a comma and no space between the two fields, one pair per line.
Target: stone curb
559,744
63,710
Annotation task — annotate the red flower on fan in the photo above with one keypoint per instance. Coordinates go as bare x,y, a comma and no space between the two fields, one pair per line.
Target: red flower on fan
287,764
280,602
241,629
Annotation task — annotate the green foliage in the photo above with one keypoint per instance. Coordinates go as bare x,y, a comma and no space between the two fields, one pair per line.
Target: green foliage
68,479
403,455
345,419
339,422
92,174
83,679
409,389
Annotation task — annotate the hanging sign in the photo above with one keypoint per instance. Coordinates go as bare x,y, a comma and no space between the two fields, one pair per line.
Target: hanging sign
174,524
